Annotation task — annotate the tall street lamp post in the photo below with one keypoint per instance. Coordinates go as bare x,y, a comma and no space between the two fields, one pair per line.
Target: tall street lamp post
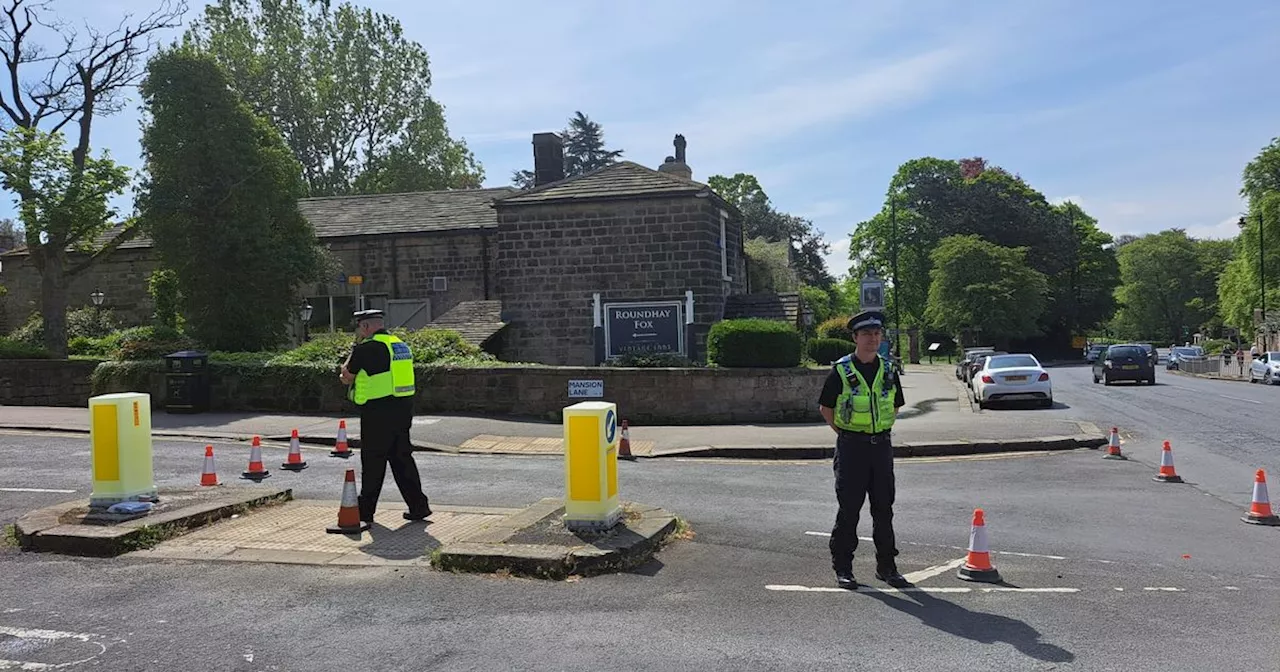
305,313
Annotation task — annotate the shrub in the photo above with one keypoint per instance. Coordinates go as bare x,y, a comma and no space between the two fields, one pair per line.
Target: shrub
152,342
828,350
14,349
166,296
836,327
655,360
81,323
754,342
429,346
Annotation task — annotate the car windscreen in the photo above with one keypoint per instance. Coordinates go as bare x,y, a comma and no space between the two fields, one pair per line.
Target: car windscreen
1011,361
1186,352
1126,351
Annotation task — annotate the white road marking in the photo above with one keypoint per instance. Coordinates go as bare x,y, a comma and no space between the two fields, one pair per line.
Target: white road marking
1251,401
959,548
30,633
930,572
914,589
1165,589
35,490
425,421
52,635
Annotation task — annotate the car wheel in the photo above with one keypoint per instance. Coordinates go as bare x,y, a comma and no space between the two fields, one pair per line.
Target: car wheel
1151,380
1095,380
1046,403
1106,380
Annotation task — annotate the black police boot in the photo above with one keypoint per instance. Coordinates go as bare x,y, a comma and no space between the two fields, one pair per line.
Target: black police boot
844,575
888,572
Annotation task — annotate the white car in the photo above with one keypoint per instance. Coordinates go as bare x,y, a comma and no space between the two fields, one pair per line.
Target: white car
1265,368
1012,378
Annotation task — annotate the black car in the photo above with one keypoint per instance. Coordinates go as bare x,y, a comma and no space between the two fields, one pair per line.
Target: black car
1124,362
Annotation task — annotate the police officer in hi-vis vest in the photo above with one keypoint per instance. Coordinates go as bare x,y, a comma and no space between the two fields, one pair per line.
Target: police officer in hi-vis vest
860,401
381,368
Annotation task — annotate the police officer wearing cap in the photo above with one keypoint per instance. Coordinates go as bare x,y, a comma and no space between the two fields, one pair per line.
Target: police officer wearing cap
379,372
860,401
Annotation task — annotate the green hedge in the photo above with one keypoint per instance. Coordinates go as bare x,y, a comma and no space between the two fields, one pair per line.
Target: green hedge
836,327
14,349
754,343
429,346
656,360
828,350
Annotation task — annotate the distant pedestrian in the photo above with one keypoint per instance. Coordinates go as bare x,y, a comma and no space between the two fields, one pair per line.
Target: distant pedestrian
860,401
380,373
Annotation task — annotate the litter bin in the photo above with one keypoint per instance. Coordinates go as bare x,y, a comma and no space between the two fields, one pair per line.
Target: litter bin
186,382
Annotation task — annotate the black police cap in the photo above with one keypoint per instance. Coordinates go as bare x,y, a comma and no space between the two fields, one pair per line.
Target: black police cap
866,320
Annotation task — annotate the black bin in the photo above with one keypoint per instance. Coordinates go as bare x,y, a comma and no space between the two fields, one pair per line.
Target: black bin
186,382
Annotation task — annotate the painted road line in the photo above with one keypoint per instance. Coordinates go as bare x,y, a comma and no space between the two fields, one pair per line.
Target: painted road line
1251,401
943,590
1165,589
35,633
930,572
958,548
43,639
425,421
36,490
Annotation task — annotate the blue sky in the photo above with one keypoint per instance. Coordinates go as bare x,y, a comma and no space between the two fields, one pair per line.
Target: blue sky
1144,112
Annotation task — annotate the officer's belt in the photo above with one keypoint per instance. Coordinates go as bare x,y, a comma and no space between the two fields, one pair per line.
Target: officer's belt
879,437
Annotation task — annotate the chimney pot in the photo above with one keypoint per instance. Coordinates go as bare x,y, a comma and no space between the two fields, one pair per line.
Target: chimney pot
676,165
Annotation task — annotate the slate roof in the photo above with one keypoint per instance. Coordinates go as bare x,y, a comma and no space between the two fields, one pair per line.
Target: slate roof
423,211
476,321
784,307
138,242
617,180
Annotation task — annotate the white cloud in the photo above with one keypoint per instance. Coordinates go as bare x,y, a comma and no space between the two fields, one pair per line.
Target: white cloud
838,259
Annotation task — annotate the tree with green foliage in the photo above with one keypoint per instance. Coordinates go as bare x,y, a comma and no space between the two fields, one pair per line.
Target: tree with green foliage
584,150
761,220
977,285
1257,249
63,194
346,88
930,199
1160,276
220,203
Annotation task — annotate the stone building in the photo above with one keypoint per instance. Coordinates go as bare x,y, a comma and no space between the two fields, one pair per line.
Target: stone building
530,275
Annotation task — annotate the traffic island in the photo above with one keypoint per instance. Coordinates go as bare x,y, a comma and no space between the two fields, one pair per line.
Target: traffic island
535,543
73,528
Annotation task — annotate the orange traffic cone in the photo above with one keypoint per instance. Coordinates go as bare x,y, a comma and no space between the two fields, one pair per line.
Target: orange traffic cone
349,511
977,567
295,461
256,471
1260,511
210,474
1113,446
1167,474
624,444
340,448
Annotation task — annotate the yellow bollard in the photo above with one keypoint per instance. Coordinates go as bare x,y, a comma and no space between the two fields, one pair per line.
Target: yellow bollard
120,439
591,466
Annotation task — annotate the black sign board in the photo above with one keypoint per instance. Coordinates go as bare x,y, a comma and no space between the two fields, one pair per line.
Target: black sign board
643,328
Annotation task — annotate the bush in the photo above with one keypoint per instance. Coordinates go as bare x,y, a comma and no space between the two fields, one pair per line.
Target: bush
828,350
142,343
14,349
429,346
836,327
754,342
166,296
655,360
82,323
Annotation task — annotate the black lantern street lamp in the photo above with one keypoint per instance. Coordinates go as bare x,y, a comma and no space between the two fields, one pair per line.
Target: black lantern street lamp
305,313
97,297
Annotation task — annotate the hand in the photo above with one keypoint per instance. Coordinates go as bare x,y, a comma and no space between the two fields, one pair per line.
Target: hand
346,376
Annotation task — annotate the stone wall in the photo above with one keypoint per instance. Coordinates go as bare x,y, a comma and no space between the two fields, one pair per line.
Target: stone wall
402,266
45,382
122,277
554,256
644,396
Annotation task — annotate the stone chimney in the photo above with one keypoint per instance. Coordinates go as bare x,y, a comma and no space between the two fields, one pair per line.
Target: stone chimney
675,165
548,158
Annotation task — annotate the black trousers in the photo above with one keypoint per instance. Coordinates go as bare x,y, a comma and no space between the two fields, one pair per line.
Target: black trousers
378,448
863,466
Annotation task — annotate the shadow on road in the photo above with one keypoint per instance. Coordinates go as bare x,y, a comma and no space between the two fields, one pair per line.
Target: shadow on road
409,541
977,626
920,408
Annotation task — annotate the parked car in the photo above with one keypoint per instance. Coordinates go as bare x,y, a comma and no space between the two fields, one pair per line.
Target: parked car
1124,362
1094,352
1181,352
1265,368
1012,378
970,354
977,364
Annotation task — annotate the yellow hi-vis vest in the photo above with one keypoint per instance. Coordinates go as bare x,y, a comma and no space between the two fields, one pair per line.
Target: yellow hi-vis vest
862,407
396,382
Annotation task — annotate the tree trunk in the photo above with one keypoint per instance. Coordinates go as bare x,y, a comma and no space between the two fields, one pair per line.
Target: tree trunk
53,305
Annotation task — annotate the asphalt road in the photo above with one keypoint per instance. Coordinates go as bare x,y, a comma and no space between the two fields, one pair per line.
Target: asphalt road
1220,431
1111,570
